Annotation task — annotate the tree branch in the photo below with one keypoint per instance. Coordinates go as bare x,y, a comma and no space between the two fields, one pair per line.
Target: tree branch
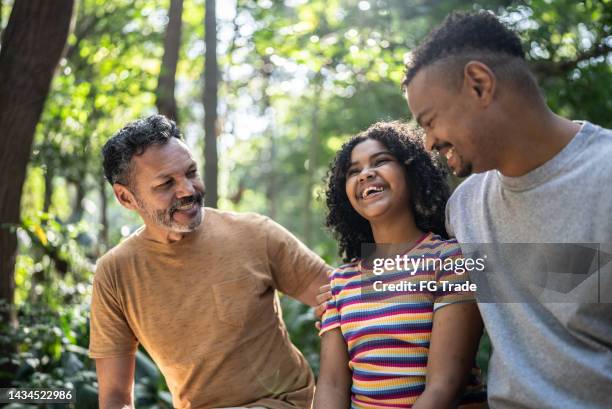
544,68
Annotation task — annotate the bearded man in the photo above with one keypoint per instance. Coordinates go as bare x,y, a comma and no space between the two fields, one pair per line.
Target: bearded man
197,287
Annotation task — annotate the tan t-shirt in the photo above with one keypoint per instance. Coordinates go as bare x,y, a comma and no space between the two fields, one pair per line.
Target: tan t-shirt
206,310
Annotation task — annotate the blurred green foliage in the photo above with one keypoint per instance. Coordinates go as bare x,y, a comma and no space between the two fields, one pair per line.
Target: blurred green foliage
299,77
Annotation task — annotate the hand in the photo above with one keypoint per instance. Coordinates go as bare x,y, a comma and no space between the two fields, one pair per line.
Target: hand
323,296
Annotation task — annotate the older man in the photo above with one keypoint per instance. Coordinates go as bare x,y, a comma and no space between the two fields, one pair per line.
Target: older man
538,178
197,287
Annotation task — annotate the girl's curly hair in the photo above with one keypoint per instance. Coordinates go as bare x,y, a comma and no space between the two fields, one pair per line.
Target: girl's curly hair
425,178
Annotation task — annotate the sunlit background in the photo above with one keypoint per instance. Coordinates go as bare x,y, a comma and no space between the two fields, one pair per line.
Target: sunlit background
296,79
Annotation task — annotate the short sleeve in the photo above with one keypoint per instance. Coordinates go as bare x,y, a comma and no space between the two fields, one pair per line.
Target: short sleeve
110,333
447,219
293,265
452,278
331,316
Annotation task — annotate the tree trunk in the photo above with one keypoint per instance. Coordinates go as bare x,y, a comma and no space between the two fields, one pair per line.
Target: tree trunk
32,44
3,10
77,207
313,158
48,188
272,188
211,79
103,238
271,182
166,102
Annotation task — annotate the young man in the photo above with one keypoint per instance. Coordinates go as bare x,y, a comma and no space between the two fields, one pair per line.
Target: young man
536,178
196,287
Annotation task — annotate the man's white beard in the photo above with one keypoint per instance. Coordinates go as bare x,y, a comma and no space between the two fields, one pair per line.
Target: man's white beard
182,228
169,223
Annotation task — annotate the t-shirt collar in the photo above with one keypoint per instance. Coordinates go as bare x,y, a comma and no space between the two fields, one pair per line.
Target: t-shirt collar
556,164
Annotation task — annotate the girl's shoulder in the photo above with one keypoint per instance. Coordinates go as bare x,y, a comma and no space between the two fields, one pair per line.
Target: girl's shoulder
443,247
346,269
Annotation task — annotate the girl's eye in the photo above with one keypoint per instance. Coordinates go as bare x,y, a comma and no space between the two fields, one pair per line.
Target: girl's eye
381,161
352,172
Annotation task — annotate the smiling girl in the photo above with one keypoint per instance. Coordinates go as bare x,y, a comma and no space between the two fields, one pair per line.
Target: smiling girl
387,350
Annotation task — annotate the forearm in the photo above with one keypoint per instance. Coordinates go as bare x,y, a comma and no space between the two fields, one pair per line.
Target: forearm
439,396
331,395
334,385
116,401
310,293
454,341
116,382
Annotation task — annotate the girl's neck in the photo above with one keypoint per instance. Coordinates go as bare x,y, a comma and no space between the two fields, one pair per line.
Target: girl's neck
396,231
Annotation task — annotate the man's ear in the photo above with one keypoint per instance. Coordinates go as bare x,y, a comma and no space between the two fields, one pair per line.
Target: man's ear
125,196
479,81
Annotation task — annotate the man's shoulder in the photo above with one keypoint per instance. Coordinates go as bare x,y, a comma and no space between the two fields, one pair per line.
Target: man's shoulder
126,248
599,146
463,204
118,254
593,129
236,218
249,226
471,183
470,188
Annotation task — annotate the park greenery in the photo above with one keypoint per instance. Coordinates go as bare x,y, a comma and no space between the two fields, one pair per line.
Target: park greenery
295,79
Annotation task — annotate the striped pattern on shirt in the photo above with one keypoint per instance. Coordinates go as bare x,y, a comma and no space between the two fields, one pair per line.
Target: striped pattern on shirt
388,333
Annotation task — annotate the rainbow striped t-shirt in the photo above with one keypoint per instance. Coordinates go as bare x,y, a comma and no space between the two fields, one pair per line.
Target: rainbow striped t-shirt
388,333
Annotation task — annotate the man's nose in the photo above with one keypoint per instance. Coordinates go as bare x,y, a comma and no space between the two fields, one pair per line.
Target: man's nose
430,141
185,188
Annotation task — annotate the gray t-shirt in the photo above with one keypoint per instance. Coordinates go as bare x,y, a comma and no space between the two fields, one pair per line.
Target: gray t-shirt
546,355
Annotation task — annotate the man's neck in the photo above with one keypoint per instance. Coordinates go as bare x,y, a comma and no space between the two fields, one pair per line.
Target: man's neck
161,236
533,140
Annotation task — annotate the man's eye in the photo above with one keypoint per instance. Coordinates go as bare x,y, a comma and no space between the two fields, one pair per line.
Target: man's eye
166,184
192,173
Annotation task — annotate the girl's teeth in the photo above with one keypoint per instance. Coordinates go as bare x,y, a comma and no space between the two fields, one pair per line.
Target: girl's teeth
369,192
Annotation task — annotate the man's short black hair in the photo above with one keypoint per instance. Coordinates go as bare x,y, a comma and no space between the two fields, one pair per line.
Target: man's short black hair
132,140
465,36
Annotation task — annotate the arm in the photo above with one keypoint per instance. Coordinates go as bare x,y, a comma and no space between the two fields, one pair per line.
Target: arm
116,380
310,294
296,270
454,340
334,385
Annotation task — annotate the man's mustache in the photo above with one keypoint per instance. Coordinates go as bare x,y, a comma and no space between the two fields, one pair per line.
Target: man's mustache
197,198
